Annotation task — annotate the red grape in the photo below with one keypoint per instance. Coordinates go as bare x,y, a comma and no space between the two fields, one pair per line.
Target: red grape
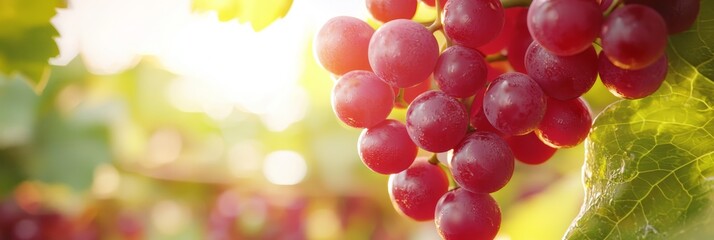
634,36
403,53
360,99
436,122
679,15
477,118
473,23
562,77
519,43
482,162
341,45
511,16
514,104
415,191
565,27
460,71
461,214
386,147
632,84
530,149
565,124
388,10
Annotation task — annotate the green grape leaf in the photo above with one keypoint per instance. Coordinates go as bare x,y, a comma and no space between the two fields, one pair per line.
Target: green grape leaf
27,39
260,14
649,167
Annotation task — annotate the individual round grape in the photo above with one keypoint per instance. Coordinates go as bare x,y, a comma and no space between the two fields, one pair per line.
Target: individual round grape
360,99
519,43
529,149
511,16
679,15
514,104
482,162
341,45
411,93
386,147
565,27
460,71
461,214
436,122
415,191
473,23
403,53
388,10
477,118
634,36
632,84
562,77
565,124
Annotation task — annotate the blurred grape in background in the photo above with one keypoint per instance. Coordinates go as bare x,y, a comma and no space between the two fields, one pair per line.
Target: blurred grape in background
205,119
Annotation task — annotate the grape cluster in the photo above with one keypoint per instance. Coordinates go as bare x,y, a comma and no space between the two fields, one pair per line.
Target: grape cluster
460,97
36,223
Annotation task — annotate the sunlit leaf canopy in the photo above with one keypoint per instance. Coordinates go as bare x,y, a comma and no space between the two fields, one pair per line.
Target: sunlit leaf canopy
259,14
26,39
196,119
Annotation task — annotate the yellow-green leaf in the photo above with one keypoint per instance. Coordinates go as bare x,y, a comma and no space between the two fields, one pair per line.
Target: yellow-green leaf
260,14
27,39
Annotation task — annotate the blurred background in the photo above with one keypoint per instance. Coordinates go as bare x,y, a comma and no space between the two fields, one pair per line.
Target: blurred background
207,119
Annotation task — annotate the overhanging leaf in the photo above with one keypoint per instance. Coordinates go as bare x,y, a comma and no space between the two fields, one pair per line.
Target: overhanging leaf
260,14
649,167
27,39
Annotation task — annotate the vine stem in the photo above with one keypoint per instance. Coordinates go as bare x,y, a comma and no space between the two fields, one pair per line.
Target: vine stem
496,58
613,5
515,3
434,160
436,25
400,97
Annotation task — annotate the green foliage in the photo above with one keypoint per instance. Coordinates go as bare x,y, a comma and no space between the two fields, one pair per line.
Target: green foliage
260,14
26,39
649,164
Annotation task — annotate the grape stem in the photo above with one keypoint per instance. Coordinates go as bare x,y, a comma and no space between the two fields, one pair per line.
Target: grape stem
515,3
400,98
496,58
436,25
433,160
613,5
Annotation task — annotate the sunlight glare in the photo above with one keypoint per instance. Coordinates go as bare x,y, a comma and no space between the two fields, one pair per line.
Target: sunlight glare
284,167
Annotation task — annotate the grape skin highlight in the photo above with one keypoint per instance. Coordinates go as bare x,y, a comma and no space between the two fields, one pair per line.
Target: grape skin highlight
388,10
386,147
436,122
461,214
341,45
403,53
415,191
564,27
361,100
514,104
460,71
634,36
473,23
632,84
482,162
562,77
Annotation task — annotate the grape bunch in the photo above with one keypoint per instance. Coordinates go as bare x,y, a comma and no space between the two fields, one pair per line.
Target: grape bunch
504,84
